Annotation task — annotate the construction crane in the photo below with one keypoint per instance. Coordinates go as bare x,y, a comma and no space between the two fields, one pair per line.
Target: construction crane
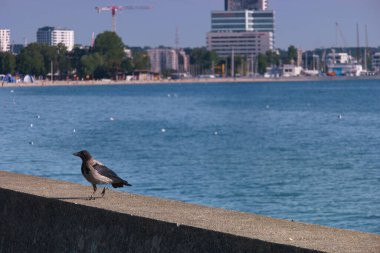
115,9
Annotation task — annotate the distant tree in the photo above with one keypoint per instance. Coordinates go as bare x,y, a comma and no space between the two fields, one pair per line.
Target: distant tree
92,63
31,61
49,54
128,65
75,57
7,63
141,60
262,64
110,46
202,58
63,61
273,58
292,54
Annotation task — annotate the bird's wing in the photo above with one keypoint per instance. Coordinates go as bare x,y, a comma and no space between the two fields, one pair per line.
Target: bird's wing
104,171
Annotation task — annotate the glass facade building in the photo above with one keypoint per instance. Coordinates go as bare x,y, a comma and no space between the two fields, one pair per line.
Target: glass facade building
246,32
243,21
238,5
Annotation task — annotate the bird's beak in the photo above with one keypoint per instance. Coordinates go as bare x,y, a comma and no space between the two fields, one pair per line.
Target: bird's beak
76,153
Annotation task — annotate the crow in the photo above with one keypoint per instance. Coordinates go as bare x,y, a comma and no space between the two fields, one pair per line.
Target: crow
96,173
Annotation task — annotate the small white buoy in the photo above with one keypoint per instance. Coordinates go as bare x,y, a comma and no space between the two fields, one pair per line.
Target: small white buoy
216,133
38,116
74,130
340,116
12,91
31,125
163,130
31,143
112,119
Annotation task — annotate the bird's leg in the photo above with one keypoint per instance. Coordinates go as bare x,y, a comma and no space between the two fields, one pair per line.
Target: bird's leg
104,191
91,197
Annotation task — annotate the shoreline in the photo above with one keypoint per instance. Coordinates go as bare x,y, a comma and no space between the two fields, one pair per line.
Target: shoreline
44,83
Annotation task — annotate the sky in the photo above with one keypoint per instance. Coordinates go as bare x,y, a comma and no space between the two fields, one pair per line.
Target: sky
306,24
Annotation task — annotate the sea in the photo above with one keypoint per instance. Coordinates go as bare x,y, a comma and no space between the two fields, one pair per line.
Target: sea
302,151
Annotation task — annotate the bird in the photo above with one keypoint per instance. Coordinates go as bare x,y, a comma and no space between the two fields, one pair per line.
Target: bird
97,173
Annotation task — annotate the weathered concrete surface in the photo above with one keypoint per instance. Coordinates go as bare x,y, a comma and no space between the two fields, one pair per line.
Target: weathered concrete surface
44,215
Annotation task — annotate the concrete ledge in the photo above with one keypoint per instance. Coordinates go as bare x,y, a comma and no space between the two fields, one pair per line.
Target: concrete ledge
44,215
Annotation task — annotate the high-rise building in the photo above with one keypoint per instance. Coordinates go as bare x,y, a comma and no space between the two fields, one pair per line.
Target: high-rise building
245,32
239,5
248,44
5,40
242,21
53,36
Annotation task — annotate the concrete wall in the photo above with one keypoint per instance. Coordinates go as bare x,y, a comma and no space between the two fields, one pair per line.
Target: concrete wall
42,215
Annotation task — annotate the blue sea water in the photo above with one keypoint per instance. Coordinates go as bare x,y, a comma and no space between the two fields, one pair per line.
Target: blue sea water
307,151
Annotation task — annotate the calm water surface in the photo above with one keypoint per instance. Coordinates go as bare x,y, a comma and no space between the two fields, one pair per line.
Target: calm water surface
307,151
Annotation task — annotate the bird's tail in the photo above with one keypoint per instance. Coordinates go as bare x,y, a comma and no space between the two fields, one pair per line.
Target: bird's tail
121,184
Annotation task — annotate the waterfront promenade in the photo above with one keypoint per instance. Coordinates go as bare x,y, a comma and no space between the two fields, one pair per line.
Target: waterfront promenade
187,81
40,214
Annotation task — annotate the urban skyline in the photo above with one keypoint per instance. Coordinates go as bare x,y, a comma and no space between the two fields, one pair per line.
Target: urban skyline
310,25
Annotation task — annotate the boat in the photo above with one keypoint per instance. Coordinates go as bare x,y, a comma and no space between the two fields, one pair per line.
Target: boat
342,64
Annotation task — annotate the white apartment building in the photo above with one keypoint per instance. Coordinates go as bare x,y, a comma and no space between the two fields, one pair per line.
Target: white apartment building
53,36
168,59
5,40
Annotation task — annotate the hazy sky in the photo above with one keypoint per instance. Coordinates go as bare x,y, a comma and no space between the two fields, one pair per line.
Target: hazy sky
307,24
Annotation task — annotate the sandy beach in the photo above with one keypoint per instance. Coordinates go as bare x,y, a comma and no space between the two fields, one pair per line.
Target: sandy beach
40,83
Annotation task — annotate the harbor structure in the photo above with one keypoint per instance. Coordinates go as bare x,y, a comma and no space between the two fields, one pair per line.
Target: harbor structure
5,40
343,64
53,36
235,5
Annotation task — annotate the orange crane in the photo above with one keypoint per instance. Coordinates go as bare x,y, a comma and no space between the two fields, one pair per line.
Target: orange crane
115,8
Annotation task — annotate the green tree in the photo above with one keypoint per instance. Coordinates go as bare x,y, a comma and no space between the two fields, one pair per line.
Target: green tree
31,61
49,55
262,63
110,46
63,61
292,54
7,63
141,60
203,58
273,58
91,63
75,57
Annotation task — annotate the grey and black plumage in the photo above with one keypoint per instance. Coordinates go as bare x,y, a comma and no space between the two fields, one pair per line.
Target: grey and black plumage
97,173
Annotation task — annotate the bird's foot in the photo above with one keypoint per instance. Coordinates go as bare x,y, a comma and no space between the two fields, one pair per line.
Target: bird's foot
91,198
103,192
